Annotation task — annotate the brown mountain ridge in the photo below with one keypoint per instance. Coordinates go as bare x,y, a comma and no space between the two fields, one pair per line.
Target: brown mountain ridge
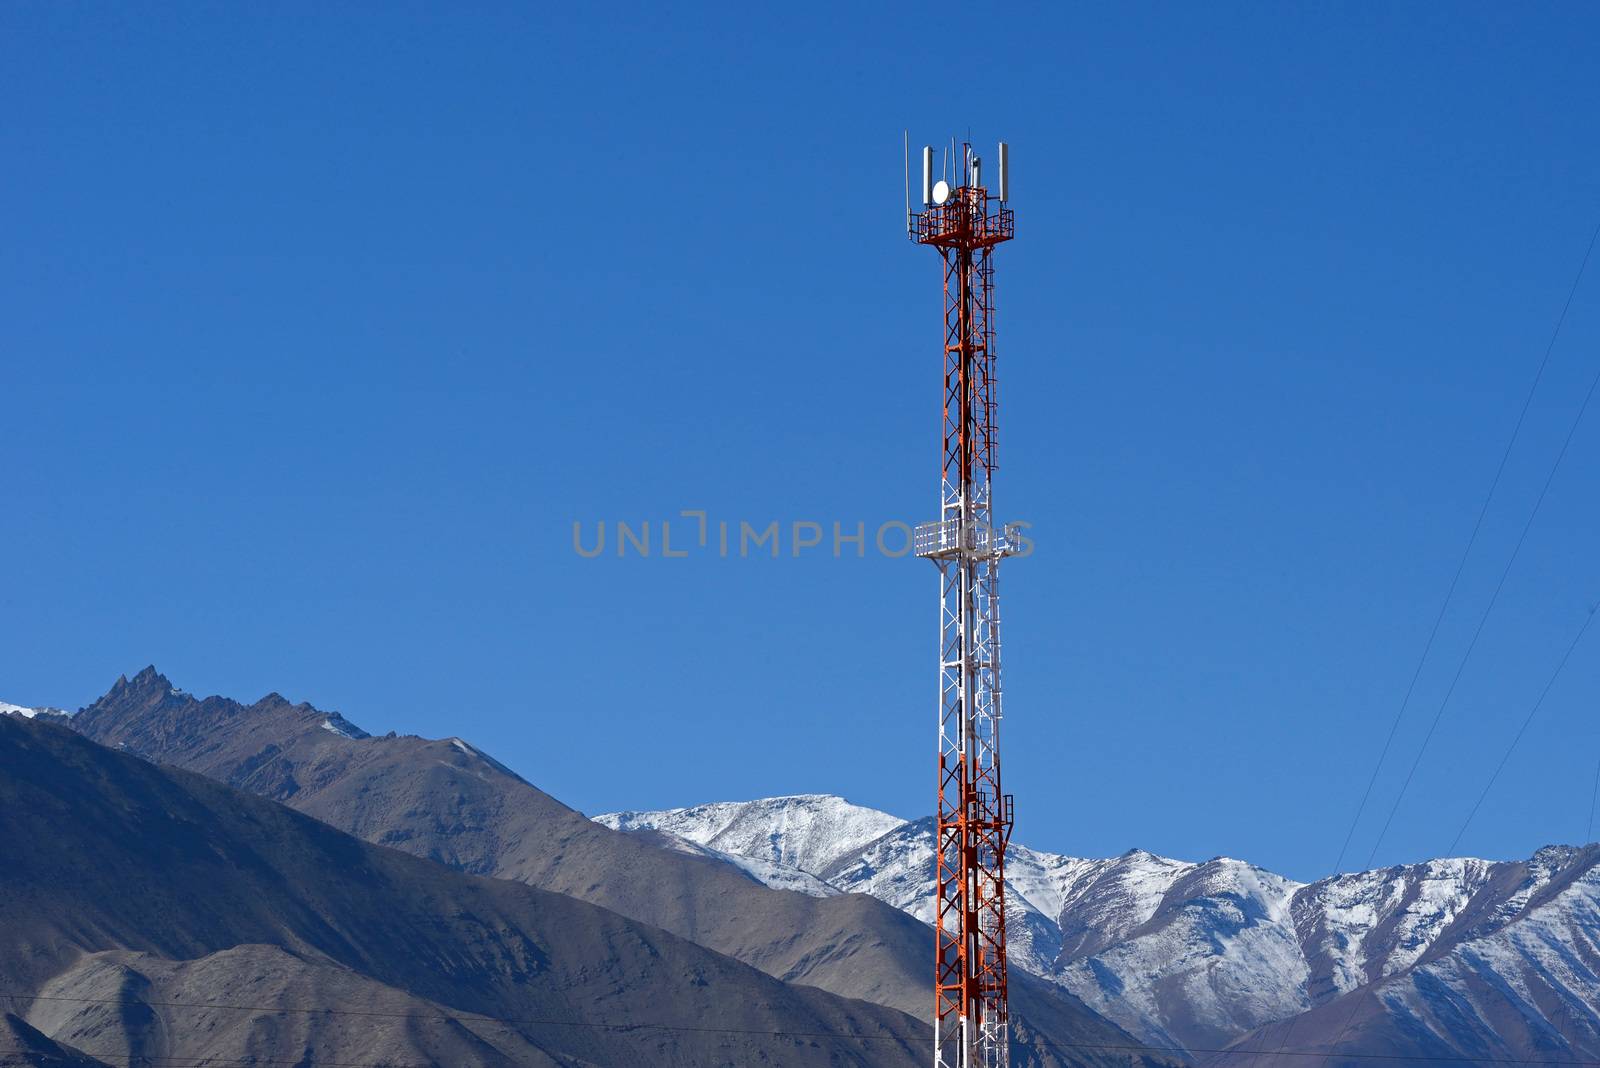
446,801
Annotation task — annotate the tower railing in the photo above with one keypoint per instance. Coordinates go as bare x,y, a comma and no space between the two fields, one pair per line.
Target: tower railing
954,537
958,222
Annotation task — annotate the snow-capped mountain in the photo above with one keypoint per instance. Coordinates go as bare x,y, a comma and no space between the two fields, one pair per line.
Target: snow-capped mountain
1528,965
807,831
1457,959
1369,925
1179,954
7,709
1199,955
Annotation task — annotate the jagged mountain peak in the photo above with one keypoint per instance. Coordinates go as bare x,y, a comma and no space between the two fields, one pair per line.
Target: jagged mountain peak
150,678
146,712
1558,855
147,683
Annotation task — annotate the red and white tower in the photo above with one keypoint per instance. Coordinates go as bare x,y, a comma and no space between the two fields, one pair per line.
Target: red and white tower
965,224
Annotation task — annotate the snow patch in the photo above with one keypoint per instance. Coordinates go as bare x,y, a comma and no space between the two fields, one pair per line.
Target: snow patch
334,723
806,831
1373,924
8,709
770,874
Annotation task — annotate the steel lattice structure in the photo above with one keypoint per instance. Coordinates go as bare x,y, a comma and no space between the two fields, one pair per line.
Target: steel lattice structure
971,1028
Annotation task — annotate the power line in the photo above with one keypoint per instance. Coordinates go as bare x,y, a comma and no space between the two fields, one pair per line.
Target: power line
1589,834
1461,566
1065,1047
1355,1003
470,1017
1450,592
1230,1051
172,1062
1472,539
18,1055
1522,730
1489,608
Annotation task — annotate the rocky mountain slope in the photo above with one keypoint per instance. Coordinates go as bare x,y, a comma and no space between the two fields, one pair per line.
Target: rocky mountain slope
1462,959
1447,958
447,801
25,1044
155,916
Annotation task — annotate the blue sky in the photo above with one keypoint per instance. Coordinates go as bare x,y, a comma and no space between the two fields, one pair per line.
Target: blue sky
320,326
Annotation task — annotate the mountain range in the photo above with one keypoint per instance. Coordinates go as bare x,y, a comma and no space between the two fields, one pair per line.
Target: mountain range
1453,958
446,802
1136,958
153,916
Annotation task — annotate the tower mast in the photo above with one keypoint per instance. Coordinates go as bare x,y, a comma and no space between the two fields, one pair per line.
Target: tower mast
965,224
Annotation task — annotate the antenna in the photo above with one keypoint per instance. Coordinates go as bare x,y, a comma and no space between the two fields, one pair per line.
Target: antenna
927,175
1005,171
905,136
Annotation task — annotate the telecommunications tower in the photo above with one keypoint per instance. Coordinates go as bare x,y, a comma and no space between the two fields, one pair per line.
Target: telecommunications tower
964,222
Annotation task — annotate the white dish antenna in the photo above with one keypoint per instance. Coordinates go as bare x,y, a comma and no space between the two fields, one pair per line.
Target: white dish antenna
941,191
